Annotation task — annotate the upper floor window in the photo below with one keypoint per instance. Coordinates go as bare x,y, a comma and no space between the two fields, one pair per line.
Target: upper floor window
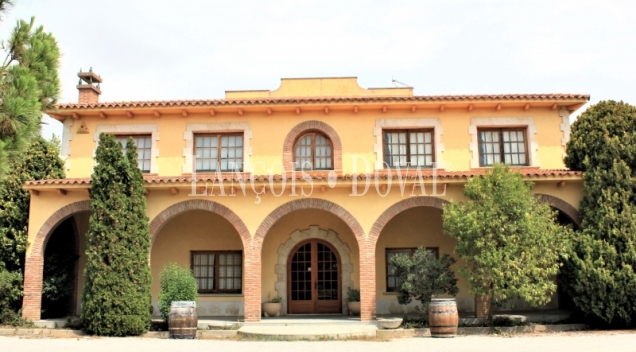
219,152
391,280
502,145
218,272
313,151
144,146
408,148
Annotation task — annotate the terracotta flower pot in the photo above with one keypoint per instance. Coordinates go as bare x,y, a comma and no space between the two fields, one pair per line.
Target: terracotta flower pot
272,309
354,308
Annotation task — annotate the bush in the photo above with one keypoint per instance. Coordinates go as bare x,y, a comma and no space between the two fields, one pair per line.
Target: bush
353,294
10,295
422,276
177,284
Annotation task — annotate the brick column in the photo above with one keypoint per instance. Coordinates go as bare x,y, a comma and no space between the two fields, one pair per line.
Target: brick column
252,285
32,300
367,282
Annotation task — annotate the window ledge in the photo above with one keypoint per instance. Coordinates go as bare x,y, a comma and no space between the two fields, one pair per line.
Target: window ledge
390,293
220,295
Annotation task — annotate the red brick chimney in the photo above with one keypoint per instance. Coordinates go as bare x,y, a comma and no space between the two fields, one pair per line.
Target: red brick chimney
88,93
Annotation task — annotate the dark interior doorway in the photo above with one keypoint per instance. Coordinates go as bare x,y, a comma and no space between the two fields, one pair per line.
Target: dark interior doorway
60,272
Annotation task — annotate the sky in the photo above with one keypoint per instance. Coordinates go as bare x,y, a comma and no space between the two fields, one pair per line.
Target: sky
167,50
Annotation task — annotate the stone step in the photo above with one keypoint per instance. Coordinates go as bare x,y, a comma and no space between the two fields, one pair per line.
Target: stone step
308,332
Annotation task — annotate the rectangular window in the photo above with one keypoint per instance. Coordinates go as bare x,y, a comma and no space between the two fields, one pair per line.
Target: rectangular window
144,146
408,148
391,283
222,152
218,272
503,145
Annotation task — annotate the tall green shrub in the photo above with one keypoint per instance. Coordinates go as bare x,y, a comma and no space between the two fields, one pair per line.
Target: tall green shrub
116,297
601,274
41,162
177,284
509,240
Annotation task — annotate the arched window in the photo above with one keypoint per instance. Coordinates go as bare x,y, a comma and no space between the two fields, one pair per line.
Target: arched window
313,151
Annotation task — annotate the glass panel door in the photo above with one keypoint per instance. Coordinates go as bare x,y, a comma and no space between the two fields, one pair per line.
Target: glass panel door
314,279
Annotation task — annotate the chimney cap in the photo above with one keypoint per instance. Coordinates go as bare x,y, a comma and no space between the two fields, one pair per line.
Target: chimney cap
89,77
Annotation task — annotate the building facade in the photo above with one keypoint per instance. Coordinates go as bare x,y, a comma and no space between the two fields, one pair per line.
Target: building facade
300,192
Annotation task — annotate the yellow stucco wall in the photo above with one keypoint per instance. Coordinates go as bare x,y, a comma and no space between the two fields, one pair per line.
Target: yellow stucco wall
356,132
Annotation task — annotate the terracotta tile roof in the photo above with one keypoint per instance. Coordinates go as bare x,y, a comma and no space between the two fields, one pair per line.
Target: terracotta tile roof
384,174
317,100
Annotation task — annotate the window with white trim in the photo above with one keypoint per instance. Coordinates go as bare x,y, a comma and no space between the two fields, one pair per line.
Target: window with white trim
143,142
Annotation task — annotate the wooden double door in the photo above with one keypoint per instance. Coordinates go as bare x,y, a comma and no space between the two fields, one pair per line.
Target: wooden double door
313,279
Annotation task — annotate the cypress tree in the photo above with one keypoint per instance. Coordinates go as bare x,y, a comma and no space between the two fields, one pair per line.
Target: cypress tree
41,162
116,297
600,275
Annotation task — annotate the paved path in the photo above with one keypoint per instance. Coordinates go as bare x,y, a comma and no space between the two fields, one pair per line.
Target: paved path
579,342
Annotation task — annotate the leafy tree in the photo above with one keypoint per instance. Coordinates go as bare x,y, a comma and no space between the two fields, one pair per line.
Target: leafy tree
509,239
29,84
422,276
41,162
177,284
116,297
600,275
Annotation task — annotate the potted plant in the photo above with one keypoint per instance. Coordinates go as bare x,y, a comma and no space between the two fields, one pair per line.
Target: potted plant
353,296
272,308
423,277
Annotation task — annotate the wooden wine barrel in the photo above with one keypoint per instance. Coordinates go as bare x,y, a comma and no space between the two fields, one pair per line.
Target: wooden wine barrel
183,320
442,317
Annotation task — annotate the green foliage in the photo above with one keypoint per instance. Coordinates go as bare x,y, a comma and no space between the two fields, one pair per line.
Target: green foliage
276,299
509,240
423,276
116,297
600,275
41,162
353,294
177,284
10,295
29,84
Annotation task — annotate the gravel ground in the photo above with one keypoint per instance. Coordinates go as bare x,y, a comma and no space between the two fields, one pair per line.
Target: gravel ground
577,341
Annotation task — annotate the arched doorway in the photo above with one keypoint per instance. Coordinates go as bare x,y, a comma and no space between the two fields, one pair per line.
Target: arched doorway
314,284
34,261
59,285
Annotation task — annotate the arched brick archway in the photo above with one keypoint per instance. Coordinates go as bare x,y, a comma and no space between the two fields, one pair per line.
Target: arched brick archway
367,303
200,204
384,219
34,262
292,136
399,207
571,212
252,310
